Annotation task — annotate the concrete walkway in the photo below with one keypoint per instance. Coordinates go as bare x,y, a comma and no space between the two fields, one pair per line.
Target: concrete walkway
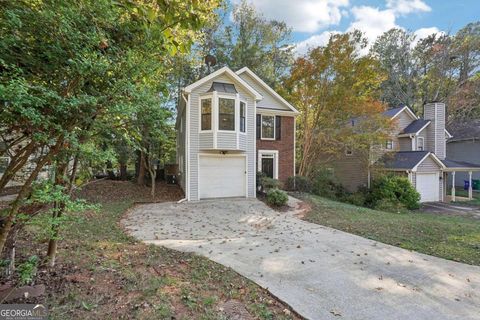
320,272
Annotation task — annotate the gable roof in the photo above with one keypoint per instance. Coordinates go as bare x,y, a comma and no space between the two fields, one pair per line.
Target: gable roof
213,75
392,113
407,160
267,88
415,127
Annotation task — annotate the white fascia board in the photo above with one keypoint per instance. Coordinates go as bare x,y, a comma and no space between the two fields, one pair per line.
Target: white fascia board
267,87
269,111
246,86
448,134
408,111
434,157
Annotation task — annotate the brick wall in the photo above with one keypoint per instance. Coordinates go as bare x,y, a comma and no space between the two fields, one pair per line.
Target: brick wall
285,147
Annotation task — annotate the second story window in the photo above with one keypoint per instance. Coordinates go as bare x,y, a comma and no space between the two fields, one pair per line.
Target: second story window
242,116
226,114
389,145
268,127
206,114
420,144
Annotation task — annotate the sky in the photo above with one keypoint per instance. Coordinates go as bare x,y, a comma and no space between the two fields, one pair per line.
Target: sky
313,21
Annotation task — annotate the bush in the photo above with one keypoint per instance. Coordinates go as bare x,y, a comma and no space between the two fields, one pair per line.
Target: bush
27,270
265,183
396,190
299,183
358,198
276,197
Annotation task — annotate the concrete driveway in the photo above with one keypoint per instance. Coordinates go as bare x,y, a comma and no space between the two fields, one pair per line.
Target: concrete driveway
452,209
320,272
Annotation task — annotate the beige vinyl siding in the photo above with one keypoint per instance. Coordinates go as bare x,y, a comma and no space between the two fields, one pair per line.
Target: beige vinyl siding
268,100
435,132
242,141
402,121
348,172
405,144
227,140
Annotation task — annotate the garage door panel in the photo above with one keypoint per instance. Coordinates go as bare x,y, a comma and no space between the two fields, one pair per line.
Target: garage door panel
222,177
428,186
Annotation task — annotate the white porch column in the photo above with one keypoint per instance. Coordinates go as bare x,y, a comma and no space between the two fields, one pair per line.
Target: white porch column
470,187
453,185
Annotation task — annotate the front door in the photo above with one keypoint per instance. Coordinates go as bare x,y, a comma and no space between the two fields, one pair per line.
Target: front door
267,166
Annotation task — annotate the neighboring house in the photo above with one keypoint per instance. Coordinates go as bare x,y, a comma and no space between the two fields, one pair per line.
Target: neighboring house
464,146
417,150
229,126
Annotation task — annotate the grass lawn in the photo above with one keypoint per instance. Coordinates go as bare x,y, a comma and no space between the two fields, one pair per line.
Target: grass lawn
102,273
454,238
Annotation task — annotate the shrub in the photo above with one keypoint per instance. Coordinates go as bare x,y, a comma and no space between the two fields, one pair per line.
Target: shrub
276,197
299,183
27,270
395,189
265,183
357,198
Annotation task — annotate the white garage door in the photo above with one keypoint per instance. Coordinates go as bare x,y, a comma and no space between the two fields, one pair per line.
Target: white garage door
428,186
222,177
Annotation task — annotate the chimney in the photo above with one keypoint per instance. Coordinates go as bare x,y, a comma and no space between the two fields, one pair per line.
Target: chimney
435,112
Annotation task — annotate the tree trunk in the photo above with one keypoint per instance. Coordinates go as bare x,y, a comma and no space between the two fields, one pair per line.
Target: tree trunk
153,176
53,242
24,191
123,171
141,169
17,162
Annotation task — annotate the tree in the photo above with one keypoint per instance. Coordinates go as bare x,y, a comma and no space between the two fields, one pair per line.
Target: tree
250,40
71,67
393,51
331,86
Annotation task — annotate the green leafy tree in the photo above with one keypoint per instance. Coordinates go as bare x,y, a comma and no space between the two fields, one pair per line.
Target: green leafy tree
70,67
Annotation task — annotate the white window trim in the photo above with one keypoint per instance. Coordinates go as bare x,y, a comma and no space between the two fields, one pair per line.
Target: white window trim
235,113
386,145
275,161
246,113
422,144
212,107
274,126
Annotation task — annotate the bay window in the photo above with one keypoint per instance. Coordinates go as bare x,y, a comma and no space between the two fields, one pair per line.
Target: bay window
226,114
206,114
242,116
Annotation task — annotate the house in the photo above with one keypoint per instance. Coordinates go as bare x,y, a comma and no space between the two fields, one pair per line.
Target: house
464,146
229,126
417,150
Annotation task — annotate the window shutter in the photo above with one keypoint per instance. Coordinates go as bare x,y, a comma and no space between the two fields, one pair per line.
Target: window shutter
259,126
278,127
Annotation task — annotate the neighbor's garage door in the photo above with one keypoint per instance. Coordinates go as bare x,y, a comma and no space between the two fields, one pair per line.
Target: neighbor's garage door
222,176
428,186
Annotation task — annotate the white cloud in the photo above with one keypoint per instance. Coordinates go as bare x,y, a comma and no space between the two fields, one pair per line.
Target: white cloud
372,21
422,33
313,42
302,15
403,7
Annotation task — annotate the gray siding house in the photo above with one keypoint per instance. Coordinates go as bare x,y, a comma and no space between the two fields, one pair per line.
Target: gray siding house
218,130
464,146
417,149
